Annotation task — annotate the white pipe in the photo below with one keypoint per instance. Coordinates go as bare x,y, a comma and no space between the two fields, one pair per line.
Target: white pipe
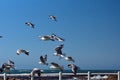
32,76
60,75
118,75
88,75
4,76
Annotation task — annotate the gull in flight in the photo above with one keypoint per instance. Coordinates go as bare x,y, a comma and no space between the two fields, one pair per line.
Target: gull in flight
52,17
30,24
43,60
56,66
51,37
7,66
59,51
69,58
74,68
47,38
57,37
19,51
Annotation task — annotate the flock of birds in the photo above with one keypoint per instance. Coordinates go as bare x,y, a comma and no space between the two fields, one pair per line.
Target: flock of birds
43,59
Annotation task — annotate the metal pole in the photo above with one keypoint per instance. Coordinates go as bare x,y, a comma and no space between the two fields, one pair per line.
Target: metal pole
118,75
32,76
60,75
88,75
4,76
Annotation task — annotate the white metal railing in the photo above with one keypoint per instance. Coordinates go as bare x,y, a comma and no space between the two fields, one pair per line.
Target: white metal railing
88,74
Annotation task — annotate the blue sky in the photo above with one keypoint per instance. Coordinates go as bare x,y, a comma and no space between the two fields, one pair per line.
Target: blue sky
91,29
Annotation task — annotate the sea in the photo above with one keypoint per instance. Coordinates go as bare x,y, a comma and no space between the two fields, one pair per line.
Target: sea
20,71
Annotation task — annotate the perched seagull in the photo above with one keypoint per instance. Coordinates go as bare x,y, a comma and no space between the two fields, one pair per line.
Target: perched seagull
52,17
59,51
69,58
57,38
19,51
74,68
30,24
36,71
56,66
46,38
43,60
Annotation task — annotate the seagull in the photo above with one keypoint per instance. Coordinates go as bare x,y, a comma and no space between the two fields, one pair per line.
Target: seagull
58,51
57,38
43,60
52,17
74,68
69,58
36,71
46,38
51,37
56,66
8,66
19,51
30,24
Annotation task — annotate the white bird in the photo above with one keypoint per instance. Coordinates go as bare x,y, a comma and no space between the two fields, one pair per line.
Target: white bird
59,51
57,38
74,68
51,37
52,17
46,38
19,51
30,24
36,71
56,66
7,66
69,58
43,60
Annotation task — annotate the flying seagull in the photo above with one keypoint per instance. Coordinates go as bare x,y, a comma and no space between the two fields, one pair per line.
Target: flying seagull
57,38
51,37
69,58
43,60
47,38
52,17
8,66
19,51
59,51
74,68
30,24
56,66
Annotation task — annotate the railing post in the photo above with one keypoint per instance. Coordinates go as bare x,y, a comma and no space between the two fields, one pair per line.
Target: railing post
118,75
60,75
88,75
4,76
32,76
